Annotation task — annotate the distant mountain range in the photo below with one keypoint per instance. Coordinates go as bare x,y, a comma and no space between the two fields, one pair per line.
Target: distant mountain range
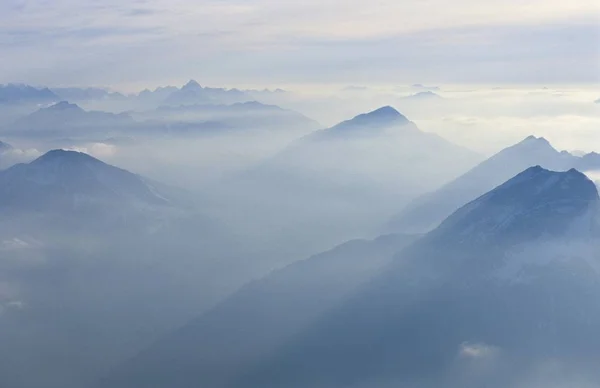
13,94
423,96
86,94
66,119
495,284
427,211
250,115
191,93
70,121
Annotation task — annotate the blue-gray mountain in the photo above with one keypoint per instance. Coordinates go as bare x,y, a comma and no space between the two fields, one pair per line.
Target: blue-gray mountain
375,147
192,93
14,94
251,115
505,287
60,181
64,119
427,211
237,334
119,256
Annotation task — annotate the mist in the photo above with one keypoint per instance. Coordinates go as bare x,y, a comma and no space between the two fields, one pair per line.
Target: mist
262,194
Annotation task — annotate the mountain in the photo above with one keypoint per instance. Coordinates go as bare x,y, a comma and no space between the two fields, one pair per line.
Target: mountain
239,116
66,119
86,94
62,180
427,211
588,162
13,94
502,294
379,119
192,93
123,258
382,147
272,309
423,96
346,180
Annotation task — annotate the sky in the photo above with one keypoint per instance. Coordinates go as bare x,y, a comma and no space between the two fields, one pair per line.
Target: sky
130,44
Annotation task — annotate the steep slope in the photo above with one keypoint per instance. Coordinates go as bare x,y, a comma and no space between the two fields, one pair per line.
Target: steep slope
504,289
427,211
249,325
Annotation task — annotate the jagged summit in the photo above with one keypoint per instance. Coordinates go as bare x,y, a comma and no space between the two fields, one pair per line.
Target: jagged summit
536,202
192,84
535,141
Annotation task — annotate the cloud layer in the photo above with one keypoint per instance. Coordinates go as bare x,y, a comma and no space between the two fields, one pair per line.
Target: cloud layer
271,42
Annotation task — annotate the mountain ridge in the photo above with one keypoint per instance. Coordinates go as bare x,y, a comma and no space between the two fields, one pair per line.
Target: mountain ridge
427,211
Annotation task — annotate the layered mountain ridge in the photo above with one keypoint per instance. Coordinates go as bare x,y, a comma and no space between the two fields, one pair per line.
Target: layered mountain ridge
427,211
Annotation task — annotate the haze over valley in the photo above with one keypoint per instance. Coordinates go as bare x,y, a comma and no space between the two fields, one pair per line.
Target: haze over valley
265,195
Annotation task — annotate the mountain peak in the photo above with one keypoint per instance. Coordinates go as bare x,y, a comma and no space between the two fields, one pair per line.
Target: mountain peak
65,106
385,111
535,140
533,144
64,156
62,178
536,202
192,84
380,118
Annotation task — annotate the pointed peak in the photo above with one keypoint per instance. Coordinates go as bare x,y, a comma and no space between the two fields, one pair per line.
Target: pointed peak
534,203
541,180
536,143
380,119
532,138
383,116
192,84
64,106
385,111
